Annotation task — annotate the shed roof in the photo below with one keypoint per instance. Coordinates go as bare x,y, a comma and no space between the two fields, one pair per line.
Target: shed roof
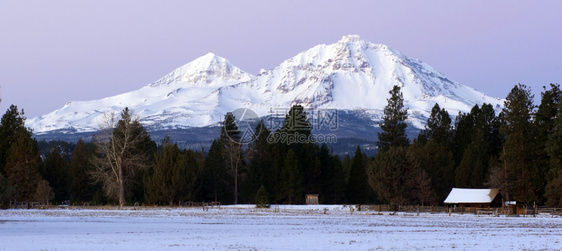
468,195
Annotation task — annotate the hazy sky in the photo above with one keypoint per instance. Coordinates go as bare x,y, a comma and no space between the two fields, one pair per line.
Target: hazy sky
53,51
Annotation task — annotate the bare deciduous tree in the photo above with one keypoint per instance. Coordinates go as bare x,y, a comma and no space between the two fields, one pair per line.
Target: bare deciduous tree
44,192
233,156
499,177
118,158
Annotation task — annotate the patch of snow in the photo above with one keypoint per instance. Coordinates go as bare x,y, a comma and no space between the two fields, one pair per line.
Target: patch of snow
318,227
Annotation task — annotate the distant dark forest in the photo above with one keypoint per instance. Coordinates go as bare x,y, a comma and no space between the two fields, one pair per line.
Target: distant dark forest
518,151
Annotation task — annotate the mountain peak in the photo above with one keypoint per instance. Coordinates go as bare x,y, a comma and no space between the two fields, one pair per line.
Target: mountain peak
352,42
209,60
356,74
204,70
210,55
351,74
350,38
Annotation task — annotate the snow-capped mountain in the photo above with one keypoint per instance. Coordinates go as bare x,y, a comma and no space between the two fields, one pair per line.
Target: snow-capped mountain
350,75
354,74
188,96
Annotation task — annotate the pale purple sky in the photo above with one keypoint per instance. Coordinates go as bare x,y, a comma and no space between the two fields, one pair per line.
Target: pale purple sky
52,52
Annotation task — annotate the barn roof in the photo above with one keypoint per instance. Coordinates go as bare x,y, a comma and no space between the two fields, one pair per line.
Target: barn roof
468,195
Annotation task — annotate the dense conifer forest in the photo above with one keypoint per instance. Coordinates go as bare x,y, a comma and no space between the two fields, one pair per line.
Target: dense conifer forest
518,151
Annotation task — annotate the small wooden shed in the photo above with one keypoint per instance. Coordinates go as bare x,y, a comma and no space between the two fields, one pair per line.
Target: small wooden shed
469,197
311,199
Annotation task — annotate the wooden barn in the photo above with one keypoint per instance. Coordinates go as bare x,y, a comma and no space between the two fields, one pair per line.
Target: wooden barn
472,198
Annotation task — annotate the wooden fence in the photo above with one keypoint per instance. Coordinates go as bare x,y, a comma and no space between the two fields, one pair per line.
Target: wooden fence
521,210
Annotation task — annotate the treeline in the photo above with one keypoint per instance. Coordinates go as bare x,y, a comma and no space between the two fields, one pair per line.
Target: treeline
122,165
518,150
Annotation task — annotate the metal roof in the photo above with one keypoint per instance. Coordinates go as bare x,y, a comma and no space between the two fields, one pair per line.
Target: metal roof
469,195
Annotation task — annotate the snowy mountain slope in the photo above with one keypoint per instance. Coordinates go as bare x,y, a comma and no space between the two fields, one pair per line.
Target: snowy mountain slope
354,74
185,97
351,74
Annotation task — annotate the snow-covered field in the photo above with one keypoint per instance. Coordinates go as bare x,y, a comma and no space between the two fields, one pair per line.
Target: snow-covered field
292,228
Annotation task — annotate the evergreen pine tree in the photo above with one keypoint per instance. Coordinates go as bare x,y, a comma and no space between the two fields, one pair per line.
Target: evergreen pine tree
439,126
553,147
398,179
436,156
346,166
358,189
394,126
553,193
57,174
258,153
168,181
332,177
479,133
464,128
261,198
463,172
291,179
7,192
212,181
19,158
518,148
545,123
337,190
393,170
229,129
486,141
296,124
311,169
81,188
274,184
22,166
12,123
